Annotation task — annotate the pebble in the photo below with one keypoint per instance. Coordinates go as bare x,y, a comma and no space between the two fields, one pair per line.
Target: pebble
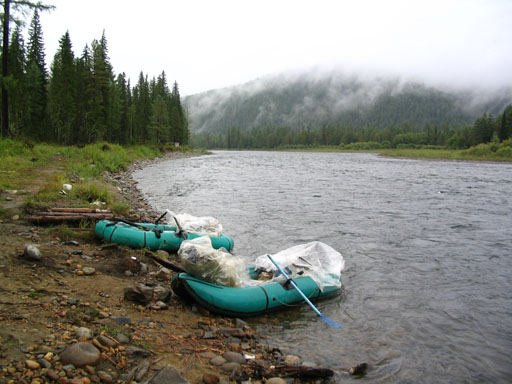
52,375
80,354
122,338
275,380
234,332
31,252
291,359
207,355
88,271
168,374
31,364
218,360
121,320
104,340
44,363
83,333
209,335
105,377
231,367
160,305
234,357
210,378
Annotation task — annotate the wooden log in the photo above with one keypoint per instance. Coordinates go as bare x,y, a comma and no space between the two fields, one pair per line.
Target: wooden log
49,218
80,210
71,214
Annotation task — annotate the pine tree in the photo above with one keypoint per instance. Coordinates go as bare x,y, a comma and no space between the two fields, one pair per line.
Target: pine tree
62,96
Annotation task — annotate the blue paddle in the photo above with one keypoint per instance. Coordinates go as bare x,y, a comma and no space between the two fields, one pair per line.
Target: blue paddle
328,321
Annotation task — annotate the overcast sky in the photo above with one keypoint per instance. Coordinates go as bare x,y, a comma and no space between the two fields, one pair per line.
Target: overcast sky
207,44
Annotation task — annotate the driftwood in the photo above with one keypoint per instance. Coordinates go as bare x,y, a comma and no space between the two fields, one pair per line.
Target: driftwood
164,263
60,215
300,372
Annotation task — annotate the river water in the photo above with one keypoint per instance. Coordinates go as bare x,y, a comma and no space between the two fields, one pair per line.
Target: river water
428,249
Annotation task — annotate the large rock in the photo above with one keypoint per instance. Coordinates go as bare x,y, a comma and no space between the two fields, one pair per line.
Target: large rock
161,294
80,354
167,375
140,293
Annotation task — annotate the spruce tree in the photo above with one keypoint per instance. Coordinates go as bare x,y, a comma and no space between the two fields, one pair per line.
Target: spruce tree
159,127
17,85
62,96
12,8
84,91
179,129
102,79
142,110
505,126
37,81
123,100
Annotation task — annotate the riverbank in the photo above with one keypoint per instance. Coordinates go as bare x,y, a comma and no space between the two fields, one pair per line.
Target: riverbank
80,311
491,152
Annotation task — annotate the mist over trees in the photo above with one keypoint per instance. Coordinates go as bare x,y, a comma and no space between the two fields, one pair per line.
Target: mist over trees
79,99
335,109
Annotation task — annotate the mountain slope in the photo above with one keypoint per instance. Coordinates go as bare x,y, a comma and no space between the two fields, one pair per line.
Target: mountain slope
314,100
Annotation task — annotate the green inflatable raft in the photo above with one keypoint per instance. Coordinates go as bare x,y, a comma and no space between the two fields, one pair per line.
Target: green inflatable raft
250,300
151,236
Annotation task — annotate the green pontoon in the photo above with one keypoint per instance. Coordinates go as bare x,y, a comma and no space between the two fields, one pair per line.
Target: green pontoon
249,300
152,236
315,268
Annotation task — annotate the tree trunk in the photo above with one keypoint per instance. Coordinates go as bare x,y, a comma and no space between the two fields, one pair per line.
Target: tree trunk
5,72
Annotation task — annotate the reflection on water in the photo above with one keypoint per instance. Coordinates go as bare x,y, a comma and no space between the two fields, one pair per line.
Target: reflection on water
427,246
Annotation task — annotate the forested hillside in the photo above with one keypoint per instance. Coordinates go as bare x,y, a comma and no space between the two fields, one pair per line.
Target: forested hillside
313,109
315,100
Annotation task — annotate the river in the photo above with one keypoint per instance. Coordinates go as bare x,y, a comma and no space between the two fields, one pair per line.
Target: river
428,247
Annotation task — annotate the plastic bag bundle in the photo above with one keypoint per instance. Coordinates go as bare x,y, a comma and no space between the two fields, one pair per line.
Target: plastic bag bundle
216,266
205,225
316,259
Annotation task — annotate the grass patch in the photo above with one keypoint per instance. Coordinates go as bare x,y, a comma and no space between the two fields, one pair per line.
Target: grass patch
92,192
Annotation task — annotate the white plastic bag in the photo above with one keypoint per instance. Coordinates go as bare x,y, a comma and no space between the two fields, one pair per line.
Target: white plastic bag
205,225
316,260
217,266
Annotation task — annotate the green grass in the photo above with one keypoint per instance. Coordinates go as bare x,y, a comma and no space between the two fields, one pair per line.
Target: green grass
482,152
83,168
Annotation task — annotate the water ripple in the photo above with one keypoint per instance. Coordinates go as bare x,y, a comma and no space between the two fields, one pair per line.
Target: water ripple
427,289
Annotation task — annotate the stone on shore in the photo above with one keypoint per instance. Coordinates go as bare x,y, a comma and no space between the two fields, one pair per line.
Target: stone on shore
234,357
80,354
31,252
166,375
83,333
140,293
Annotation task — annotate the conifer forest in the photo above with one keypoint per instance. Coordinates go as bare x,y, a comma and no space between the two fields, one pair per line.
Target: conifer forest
77,98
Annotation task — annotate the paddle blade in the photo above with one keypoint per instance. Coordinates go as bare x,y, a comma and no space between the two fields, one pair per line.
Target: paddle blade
331,322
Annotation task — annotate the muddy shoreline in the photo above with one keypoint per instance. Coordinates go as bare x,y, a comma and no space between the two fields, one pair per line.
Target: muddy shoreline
81,299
